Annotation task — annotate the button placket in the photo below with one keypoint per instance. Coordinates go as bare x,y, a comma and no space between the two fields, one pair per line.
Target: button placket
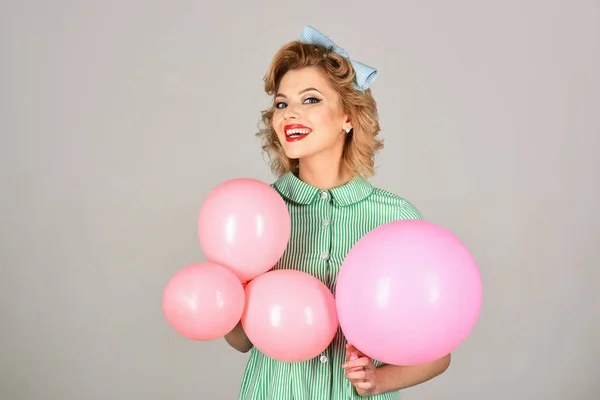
327,214
326,239
326,369
333,256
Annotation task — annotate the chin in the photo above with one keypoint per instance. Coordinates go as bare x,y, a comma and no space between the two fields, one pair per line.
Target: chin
296,150
294,154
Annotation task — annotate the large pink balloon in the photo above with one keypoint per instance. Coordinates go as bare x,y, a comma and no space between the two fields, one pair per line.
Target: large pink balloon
290,315
203,301
408,292
244,225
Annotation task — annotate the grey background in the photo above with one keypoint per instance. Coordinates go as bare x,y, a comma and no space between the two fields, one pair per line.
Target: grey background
119,117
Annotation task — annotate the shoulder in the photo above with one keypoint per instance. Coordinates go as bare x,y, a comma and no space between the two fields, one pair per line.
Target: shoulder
405,208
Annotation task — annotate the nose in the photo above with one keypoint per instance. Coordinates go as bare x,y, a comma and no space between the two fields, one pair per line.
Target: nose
291,112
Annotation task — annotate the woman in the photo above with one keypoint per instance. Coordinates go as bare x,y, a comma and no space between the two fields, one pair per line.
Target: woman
321,136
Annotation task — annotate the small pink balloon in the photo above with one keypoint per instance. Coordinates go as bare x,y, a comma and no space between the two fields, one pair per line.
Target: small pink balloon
244,224
290,315
408,292
203,301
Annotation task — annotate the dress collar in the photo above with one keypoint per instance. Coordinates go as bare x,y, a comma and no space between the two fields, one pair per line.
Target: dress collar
298,191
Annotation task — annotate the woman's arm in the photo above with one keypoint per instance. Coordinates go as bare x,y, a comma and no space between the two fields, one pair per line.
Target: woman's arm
370,380
238,340
391,378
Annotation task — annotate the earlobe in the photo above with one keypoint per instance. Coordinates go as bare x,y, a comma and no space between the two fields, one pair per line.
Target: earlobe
348,127
348,124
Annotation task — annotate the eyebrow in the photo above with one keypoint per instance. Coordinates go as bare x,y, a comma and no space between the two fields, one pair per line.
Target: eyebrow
300,92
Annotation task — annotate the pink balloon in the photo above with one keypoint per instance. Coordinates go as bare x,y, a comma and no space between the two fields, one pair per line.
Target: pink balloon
244,225
203,301
408,292
290,315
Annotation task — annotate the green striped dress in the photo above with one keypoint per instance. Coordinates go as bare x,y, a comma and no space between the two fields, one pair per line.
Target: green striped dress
325,225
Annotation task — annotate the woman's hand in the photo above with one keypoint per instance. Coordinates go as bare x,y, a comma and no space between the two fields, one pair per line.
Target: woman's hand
360,371
237,338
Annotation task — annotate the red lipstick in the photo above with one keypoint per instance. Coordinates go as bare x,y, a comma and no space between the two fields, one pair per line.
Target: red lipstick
296,132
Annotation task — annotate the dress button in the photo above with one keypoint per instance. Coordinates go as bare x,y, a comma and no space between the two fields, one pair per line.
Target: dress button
323,195
324,256
325,223
323,359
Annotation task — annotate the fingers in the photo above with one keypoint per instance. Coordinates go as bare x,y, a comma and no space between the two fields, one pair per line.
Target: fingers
362,379
356,375
351,368
365,385
360,371
359,362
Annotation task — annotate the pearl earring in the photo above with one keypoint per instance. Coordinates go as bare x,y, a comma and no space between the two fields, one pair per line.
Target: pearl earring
347,130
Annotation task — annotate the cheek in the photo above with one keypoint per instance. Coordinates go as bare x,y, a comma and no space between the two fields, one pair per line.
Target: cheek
329,114
276,122
325,119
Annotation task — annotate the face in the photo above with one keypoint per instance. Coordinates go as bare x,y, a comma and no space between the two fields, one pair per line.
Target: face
309,119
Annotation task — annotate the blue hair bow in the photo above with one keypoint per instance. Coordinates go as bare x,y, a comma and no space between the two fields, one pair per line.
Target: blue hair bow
365,75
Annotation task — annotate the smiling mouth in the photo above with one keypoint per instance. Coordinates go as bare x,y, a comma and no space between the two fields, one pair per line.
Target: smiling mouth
295,133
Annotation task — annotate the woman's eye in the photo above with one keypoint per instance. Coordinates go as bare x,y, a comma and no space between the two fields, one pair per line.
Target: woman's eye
312,100
309,100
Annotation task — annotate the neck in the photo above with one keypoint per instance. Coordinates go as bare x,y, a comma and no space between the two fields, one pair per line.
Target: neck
323,172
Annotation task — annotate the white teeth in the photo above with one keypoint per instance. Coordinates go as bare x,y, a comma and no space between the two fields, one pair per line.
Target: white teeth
291,132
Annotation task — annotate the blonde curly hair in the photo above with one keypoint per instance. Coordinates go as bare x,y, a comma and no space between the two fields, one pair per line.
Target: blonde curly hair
362,143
